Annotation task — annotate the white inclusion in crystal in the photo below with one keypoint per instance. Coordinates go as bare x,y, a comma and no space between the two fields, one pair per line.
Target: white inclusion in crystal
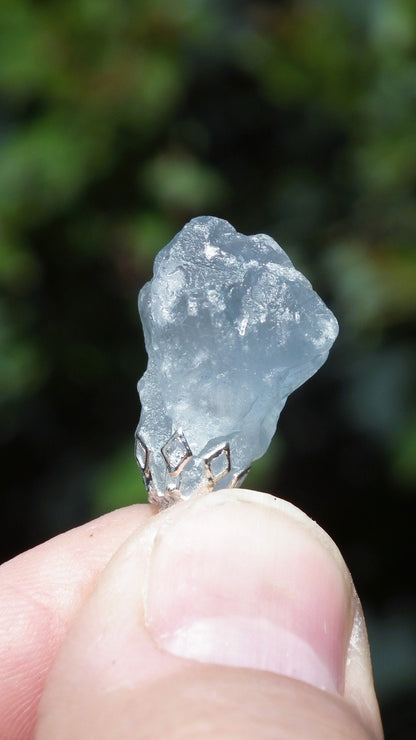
231,328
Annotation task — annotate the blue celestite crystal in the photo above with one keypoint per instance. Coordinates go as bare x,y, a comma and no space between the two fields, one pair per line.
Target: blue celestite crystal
231,328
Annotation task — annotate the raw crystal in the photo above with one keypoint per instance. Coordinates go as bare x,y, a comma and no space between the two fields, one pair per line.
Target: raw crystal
231,328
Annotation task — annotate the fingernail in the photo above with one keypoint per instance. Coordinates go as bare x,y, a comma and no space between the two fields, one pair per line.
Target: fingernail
243,579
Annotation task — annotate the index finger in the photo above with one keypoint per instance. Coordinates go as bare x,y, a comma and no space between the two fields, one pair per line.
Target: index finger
40,593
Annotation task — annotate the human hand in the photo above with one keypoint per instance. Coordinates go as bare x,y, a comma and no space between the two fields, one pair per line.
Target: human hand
229,616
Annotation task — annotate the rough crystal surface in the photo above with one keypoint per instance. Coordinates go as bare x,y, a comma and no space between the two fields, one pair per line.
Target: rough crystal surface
231,328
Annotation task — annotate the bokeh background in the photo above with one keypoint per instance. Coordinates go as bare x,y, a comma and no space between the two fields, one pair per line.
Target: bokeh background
119,121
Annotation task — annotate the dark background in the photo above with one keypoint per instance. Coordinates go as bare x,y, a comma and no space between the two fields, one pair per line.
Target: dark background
119,121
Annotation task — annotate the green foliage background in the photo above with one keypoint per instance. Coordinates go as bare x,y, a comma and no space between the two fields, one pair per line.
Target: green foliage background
118,122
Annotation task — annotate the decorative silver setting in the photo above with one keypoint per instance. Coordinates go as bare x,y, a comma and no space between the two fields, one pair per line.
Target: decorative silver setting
217,464
176,453
239,478
172,490
142,455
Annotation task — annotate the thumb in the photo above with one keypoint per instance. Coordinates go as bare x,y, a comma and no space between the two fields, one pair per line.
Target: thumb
229,616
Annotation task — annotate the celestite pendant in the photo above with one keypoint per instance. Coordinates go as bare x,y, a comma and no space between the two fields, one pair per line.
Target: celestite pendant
231,328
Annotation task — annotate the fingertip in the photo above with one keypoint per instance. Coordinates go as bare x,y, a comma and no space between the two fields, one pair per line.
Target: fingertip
263,585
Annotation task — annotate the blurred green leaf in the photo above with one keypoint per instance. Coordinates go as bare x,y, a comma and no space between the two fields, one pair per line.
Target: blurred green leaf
405,462
265,470
375,287
117,482
144,237
22,366
180,181
19,268
44,166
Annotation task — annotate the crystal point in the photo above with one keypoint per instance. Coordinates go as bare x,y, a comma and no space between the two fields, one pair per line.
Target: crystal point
231,328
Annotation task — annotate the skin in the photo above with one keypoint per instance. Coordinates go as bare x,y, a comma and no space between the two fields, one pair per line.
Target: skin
232,615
